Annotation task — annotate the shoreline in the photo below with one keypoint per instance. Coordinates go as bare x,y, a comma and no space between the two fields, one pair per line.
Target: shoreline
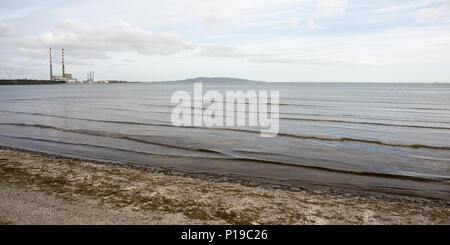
41,188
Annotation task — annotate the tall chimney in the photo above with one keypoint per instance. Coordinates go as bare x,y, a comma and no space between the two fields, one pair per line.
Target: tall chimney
51,66
63,68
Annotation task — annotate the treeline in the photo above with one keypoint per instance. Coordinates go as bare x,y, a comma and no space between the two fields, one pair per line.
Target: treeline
26,82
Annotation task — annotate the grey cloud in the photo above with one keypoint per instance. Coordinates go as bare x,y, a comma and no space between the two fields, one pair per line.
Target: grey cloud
433,14
330,8
233,52
274,60
6,30
77,62
226,51
220,51
312,61
96,41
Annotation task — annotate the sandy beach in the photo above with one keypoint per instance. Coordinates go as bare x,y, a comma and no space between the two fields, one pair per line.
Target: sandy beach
44,189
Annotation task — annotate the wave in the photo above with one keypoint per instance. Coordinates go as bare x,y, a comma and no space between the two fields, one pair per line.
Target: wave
411,176
111,148
282,118
364,101
366,123
84,119
424,108
113,135
311,137
49,98
367,141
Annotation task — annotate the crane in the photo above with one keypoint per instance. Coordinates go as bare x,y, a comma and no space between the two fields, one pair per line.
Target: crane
7,72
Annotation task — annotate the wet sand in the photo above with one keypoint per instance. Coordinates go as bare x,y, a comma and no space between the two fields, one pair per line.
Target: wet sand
45,189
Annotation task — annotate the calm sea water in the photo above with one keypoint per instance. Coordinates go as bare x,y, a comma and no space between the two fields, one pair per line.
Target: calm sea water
375,137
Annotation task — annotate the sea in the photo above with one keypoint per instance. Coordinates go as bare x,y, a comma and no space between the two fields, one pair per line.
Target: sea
371,137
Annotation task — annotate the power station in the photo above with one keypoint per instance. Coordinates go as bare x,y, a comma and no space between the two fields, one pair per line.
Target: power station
66,77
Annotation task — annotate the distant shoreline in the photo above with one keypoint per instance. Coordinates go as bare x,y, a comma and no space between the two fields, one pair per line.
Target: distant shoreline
48,82
194,80
27,82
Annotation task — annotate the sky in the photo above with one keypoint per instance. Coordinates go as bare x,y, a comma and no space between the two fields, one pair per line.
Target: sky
265,40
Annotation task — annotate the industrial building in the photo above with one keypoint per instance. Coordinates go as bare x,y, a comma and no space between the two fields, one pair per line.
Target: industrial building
66,77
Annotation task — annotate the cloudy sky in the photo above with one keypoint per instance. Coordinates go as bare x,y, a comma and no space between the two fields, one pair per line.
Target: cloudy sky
270,40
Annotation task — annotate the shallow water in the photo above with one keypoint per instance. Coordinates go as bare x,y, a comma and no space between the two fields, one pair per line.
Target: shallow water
378,137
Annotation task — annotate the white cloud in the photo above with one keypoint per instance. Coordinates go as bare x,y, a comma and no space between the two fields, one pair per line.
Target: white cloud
312,25
70,61
223,13
431,15
311,61
326,9
393,8
222,51
6,30
395,47
220,16
398,46
97,41
292,22
330,8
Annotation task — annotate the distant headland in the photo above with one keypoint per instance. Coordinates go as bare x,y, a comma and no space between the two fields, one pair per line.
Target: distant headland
189,80
213,79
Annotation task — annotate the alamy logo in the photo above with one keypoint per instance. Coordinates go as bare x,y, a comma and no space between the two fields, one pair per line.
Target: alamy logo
227,111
